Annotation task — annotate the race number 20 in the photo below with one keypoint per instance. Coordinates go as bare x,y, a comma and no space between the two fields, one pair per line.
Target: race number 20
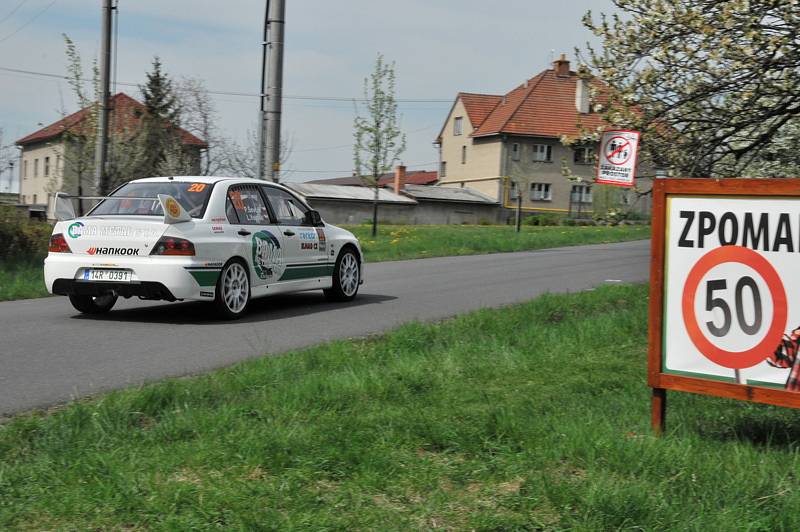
728,296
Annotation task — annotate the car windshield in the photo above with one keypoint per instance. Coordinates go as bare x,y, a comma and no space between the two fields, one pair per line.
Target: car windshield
192,197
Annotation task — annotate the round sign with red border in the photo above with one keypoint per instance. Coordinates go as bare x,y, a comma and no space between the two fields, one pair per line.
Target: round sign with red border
613,150
761,351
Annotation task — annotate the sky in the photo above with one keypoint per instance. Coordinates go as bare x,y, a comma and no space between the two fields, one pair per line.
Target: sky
439,47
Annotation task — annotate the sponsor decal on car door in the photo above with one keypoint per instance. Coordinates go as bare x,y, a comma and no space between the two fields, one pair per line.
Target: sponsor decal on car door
264,250
304,246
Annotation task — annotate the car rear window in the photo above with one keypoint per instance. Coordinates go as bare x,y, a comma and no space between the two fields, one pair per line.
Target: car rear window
193,197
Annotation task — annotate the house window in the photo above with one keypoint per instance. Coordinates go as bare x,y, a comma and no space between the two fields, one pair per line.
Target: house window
515,151
463,155
34,199
36,168
541,192
581,194
584,155
58,163
458,124
542,153
443,169
46,166
25,170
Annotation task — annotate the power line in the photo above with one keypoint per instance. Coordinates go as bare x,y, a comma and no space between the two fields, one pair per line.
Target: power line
244,94
13,11
30,21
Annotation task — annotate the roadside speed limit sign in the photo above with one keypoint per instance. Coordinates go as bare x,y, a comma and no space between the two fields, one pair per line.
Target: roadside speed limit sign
725,290
729,295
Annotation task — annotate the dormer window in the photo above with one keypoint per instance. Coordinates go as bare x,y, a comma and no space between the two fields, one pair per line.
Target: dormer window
458,125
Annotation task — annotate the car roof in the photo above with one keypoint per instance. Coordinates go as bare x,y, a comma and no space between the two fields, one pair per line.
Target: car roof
203,179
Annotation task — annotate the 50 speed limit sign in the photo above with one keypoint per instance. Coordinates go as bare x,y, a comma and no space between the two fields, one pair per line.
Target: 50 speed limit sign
724,314
728,281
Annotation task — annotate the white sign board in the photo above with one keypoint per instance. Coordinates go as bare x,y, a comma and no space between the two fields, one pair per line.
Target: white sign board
730,264
618,157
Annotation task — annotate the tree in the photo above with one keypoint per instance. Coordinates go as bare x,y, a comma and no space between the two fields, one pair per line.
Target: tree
159,138
199,116
242,159
378,141
710,84
6,164
80,138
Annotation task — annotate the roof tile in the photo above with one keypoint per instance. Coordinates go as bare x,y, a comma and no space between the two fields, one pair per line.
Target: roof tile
544,106
124,116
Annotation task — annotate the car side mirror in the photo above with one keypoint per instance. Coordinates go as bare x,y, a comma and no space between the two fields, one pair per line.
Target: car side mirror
313,218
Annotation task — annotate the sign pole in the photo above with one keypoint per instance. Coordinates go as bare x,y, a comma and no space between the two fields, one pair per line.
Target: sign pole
658,410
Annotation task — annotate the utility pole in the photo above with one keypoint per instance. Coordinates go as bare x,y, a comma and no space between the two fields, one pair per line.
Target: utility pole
101,149
262,113
275,22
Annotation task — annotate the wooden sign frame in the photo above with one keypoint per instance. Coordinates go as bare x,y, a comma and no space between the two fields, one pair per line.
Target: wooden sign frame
659,381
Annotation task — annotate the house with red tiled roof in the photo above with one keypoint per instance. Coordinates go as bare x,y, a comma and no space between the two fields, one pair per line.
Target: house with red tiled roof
492,143
47,155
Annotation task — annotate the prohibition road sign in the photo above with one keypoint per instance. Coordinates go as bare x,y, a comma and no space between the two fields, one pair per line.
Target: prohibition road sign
617,161
618,150
774,334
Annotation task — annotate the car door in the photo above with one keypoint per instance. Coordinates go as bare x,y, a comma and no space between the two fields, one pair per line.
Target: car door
249,213
304,245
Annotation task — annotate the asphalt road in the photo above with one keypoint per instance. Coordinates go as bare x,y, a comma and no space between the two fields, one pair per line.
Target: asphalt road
49,353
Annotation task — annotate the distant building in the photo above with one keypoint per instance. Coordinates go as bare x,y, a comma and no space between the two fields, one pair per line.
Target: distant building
413,177
492,143
47,157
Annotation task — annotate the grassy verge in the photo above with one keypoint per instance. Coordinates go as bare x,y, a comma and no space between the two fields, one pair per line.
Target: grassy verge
25,279
534,416
21,280
397,242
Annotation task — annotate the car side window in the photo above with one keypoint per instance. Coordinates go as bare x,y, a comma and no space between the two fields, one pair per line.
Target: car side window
247,205
288,209
230,211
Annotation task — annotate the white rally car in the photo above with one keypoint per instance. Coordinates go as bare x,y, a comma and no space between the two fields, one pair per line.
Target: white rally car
217,239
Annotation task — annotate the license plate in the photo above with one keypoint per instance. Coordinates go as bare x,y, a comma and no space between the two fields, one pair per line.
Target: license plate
118,276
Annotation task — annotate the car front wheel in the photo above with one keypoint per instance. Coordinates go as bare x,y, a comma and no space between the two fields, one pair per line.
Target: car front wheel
233,290
93,304
346,277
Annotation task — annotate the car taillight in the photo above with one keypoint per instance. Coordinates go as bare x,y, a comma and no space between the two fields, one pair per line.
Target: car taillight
170,245
58,244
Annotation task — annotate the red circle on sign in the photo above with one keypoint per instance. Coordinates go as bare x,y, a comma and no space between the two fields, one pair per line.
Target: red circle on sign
748,257
616,150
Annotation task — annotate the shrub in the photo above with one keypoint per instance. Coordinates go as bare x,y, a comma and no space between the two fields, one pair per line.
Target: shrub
543,219
22,239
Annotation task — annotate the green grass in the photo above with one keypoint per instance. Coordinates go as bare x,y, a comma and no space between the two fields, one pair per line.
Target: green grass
397,242
21,280
534,416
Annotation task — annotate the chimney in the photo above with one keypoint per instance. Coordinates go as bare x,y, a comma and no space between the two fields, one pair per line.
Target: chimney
582,95
561,66
399,178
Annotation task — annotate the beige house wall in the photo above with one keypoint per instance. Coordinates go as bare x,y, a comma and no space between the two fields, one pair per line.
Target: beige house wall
37,181
483,156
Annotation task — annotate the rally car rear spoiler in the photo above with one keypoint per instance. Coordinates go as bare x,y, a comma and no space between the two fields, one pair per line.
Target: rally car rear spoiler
173,211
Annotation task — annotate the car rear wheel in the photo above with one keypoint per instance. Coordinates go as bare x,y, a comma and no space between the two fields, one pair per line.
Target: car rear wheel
93,304
233,290
346,277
